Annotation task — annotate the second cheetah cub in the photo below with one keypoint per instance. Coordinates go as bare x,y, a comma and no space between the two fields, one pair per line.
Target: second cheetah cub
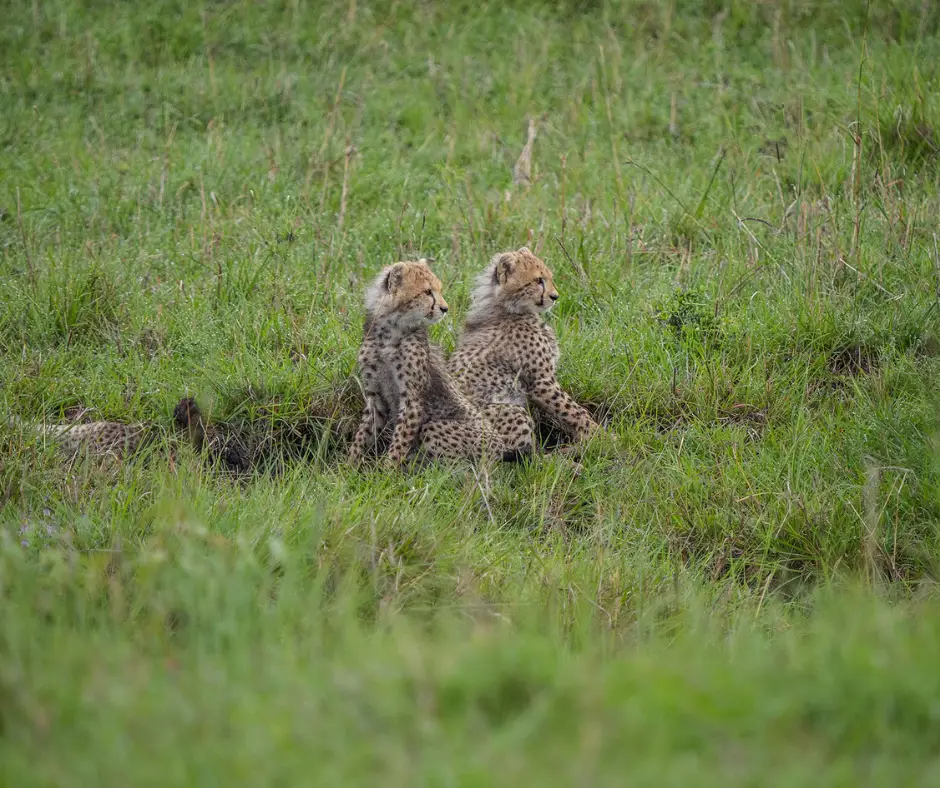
97,438
119,440
404,380
506,355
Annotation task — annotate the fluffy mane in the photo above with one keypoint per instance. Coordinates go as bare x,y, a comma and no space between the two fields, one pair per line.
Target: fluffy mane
377,291
483,295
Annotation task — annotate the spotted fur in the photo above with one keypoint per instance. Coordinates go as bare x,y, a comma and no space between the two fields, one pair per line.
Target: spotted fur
118,440
506,356
98,438
407,389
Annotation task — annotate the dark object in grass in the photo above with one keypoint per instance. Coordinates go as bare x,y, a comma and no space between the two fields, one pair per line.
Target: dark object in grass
220,442
690,317
517,455
852,361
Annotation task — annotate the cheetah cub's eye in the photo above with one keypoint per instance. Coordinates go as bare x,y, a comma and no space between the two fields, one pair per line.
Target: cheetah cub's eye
541,281
428,292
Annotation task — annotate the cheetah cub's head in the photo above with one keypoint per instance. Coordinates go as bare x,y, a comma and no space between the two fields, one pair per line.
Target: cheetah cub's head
409,293
515,282
186,412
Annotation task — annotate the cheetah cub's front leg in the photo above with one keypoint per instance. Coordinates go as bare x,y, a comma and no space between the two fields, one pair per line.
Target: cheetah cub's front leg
409,373
545,393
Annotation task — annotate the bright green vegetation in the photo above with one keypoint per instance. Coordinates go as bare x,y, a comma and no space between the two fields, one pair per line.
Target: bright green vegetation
734,588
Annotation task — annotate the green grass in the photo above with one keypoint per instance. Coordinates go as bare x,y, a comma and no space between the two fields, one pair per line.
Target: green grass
736,587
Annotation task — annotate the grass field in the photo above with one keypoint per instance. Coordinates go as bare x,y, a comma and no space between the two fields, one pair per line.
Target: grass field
736,586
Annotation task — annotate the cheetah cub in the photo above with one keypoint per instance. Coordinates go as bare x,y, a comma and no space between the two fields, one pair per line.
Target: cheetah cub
405,383
506,354
118,440
95,438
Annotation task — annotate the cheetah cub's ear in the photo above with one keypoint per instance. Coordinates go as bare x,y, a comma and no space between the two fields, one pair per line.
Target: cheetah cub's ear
504,268
395,278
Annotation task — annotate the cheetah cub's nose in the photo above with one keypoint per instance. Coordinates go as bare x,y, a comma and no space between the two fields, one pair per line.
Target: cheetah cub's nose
443,308
554,296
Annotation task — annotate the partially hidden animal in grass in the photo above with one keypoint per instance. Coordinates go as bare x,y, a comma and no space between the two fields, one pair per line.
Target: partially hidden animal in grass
507,354
95,438
119,440
221,443
408,392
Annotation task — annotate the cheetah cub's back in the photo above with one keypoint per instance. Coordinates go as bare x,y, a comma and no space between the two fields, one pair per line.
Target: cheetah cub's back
94,438
406,386
506,356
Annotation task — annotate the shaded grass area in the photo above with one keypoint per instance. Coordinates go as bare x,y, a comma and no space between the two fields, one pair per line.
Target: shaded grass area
739,201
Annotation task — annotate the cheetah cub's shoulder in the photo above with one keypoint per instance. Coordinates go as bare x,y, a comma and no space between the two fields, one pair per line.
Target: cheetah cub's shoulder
405,383
506,356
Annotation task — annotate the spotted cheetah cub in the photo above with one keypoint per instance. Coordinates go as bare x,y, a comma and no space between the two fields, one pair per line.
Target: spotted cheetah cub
506,355
95,438
404,380
118,440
